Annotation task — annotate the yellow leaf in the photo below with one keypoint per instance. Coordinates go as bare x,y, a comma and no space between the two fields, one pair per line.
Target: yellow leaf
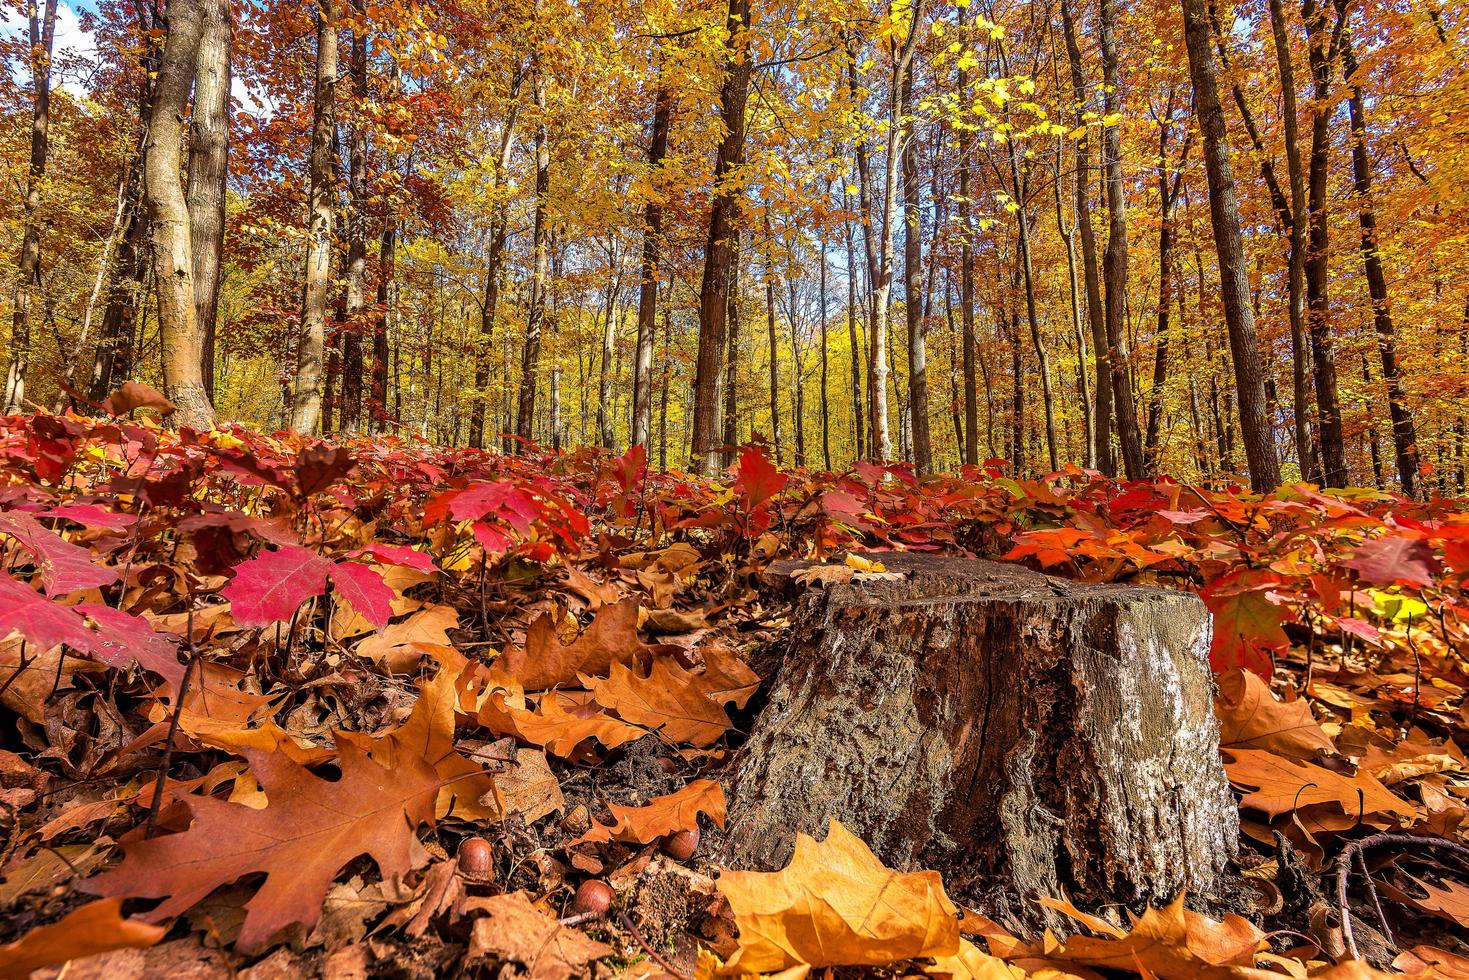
865,564
836,904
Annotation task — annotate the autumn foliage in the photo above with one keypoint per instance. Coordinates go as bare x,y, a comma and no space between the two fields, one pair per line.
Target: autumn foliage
259,692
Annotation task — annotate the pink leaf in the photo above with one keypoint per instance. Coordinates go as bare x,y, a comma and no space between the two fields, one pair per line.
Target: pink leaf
64,566
396,554
42,622
91,515
271,586
123,639
1394,559
365,590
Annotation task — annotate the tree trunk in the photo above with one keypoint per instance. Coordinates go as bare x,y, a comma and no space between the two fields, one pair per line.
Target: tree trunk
642,398
1032,318
825,396
1239,317
859,413
209,129
1167,196
28,272
535,318
1025,735
731,412
356,298
311,349
1322,49
775,434
913,294
168,213
1102,367
718,251
1405,437
604,380
1114,261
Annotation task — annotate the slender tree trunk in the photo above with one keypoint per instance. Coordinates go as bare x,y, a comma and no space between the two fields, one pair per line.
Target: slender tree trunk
1102,368
1239,317
28,273
1114,261
732,354
1322,48
168,212
306,406
1073,282
209,125
356,292
825,370
667,379
718,251
913,290
642,399
530,364
858,410
604,387
1167,196
1032,318
775,433
1405,436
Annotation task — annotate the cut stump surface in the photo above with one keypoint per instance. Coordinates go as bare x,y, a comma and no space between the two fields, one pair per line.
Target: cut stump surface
1026,735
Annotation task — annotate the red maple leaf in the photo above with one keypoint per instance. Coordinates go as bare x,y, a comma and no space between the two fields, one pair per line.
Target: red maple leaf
1394,559
271,586
64,567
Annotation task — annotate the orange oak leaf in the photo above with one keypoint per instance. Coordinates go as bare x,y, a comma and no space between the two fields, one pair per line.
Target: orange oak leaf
1276,785
1170,942
545,661
1450,900
311,828
669,700
1251,717
836,904
662,815
558,724
93,928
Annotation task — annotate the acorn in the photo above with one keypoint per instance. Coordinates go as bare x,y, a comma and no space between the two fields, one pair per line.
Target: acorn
476,858
682,845
594,897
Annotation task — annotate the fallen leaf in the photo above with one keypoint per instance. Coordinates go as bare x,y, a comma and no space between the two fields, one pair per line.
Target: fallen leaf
1251,717
545,661
1172,942
836,904
1276,785
670,700
311,829
93,928
662,815
511,929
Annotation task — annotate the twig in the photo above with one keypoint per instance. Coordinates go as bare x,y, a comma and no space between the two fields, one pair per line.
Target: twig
1344,871
627,924
581,918
173,727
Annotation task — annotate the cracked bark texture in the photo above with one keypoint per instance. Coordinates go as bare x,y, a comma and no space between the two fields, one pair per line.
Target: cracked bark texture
1026,735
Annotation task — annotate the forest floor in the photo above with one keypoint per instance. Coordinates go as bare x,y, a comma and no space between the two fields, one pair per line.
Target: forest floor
276,707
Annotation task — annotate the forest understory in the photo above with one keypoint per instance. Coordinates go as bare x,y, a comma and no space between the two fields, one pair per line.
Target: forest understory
280,707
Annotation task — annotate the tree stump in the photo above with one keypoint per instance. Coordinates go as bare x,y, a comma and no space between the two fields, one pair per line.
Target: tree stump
1026,735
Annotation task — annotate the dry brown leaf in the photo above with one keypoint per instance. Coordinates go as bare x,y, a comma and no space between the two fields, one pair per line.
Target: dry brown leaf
836,904
663,815
1450,900
1429,962
394,646
1276,785
1172,943
1251,717
310,830
511,929
972,963
545,661
47,867
1416,756
558,724
727,678
669,700
93,928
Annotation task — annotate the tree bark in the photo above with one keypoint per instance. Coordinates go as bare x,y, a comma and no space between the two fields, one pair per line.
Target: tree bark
825,367
1032,318
209,130
1114,261
311,348
1404,433
775,433
530,363
1239,316
718,250
1096,319
642,399
1322,48
731,411
356,298
1024,735
913,294
168,213
28,273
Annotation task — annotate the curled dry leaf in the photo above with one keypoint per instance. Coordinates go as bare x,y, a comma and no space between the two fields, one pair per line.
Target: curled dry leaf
836,904
546,662
1251,717
1171,943
93,928
663,815
1276,785
669,700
